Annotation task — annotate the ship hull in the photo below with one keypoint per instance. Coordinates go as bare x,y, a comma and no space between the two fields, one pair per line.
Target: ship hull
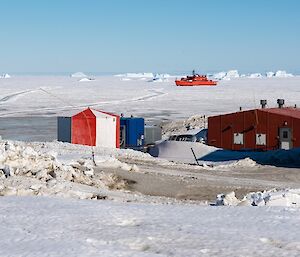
183,83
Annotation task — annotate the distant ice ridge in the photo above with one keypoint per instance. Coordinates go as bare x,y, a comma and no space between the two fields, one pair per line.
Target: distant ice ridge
283,74
160,78
136,75
5,76
279,74
144,76
255,75
231,74
78,75
270,74
285,197
226,75
220,75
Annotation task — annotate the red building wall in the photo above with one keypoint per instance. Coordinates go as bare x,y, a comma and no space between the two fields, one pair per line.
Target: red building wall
118,131
221,129
82,123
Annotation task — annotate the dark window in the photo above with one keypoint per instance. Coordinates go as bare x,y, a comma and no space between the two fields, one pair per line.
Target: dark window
188,138
285,134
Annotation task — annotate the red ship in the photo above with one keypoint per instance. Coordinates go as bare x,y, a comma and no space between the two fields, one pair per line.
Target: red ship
195,80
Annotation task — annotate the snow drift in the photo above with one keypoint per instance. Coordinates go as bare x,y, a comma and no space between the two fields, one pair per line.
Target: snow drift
283,197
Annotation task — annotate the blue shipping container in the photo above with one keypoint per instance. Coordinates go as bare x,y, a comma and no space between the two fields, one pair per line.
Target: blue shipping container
133,132
64,129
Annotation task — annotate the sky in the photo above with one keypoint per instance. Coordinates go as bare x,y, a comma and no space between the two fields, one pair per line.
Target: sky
149,35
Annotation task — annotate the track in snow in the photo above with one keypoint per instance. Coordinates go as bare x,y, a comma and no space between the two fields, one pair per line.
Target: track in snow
154,94
11,96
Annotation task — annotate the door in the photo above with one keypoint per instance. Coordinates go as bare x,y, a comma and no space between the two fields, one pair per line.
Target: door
285,138
123,136
106,133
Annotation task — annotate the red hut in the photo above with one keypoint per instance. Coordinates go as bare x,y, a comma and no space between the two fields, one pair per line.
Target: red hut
90,127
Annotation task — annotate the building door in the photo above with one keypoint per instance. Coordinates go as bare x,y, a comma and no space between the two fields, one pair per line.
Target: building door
285,138
123,136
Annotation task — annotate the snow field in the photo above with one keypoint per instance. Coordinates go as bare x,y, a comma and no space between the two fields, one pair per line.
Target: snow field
44,221
59,227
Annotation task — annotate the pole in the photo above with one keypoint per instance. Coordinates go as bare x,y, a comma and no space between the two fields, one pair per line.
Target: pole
195,156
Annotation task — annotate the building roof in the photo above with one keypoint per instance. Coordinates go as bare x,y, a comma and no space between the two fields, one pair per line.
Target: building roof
96,113
101,114
286,111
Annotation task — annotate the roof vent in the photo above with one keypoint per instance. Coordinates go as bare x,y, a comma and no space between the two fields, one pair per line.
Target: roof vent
280,103
263,103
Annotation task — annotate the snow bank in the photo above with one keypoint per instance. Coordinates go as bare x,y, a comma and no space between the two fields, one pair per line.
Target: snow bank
5,76
24,171
285,197
86,79
247,162
78,75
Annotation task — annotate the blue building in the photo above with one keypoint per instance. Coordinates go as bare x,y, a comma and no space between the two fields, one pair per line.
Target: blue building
132,132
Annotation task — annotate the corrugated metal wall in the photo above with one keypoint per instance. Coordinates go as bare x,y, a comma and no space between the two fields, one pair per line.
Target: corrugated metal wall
90,127
223,129
135,128
84,128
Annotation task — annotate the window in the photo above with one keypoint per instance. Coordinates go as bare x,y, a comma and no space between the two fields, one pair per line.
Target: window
285,134
238,138
261,139
188,138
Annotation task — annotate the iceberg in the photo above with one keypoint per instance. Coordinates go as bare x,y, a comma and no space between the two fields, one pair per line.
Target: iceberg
136,75
78,75
283,74
270,74
232,74
5,76
219,75
160,78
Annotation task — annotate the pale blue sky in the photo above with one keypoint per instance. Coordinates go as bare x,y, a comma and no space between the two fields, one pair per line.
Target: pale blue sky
149,35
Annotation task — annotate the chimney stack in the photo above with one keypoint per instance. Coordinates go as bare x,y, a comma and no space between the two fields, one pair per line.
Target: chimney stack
280,103
263,103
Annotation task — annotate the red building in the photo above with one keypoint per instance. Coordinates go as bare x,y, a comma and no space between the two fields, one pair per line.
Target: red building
259,129
90,127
